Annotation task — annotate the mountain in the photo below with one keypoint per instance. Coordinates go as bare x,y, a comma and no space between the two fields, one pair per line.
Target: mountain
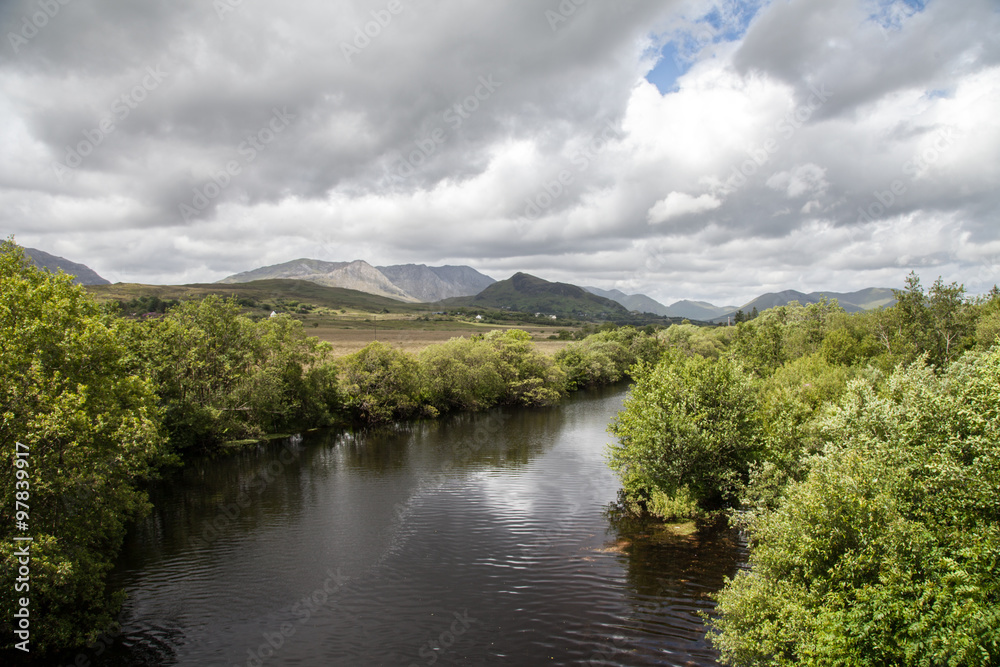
434,283
691,310
853,302
357,275
866,299
697,310
529,294
267,294
405,282
83,275
638,302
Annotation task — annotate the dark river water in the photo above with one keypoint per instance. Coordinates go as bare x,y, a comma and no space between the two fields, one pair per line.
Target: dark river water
471,540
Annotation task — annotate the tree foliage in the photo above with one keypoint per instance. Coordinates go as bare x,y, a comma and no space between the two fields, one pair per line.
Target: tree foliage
222,376
380,383
860,451
886,553
606,356
689,423
91,427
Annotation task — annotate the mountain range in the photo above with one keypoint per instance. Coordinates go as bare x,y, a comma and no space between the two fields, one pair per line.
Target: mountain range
852,302
82,275
406,282
691,310
463,285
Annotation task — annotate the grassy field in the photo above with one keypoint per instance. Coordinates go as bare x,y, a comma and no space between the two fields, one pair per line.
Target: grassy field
350,331
414,339
346,319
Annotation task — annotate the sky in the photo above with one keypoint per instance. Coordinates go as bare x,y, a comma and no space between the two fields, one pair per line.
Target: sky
703,149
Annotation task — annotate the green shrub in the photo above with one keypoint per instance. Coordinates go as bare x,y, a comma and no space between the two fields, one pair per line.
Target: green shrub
688,422
886,553
90,428
379,383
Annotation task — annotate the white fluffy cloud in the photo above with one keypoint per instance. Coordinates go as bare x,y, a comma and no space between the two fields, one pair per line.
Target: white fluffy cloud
831,146
678,204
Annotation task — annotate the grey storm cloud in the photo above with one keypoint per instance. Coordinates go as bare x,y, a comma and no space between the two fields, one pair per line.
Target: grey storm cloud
180,140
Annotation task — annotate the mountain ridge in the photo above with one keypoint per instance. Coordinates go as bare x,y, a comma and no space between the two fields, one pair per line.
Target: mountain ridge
82,274
868,298
414,283
526,293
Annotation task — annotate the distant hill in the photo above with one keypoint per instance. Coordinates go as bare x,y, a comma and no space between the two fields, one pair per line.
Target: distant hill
866,299
690,310
434,283
853,302
637,302
83,275
405,282
697,310
529,294
357,275
265,292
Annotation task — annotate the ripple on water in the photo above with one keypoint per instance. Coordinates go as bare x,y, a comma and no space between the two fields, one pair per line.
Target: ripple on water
444,552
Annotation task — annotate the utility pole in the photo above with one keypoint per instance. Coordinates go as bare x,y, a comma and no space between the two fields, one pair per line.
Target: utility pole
375,320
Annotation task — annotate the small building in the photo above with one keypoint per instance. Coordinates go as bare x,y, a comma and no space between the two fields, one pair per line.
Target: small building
273,314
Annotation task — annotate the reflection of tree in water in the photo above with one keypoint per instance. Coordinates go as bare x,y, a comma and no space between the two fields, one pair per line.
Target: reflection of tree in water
140,645
672,571
499,436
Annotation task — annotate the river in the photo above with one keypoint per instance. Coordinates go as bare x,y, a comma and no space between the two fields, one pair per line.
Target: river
474,539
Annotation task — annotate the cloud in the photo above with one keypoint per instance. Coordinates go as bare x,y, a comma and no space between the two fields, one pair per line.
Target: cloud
805,179
429,134
679,203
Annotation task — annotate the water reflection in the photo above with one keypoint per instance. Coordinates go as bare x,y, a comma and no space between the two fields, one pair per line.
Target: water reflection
474,539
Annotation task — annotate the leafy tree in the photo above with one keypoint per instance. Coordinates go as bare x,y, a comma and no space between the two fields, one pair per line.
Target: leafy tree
689,425
759,345
709,342
462,374
223,376
529,377
939,323
380,383
886,553
605,357
950,320
91,430
988,325
791,403
849,344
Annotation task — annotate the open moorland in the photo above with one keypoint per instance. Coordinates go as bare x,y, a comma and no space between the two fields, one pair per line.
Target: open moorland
347,319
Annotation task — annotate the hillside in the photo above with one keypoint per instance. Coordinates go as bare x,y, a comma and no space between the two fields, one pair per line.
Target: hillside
270,293
84,275
697,310
405,282
637,302
357,275
434,283
853,302
529,294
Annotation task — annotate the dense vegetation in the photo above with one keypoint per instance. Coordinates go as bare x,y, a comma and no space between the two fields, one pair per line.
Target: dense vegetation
861,453
102,400
91,431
